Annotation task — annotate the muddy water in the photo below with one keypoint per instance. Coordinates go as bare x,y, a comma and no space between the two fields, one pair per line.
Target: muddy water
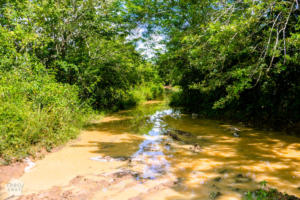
168,155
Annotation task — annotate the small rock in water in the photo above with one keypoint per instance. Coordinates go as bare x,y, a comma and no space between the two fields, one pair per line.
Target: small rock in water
214,195
236,129
197,148
240,178
184,133
218,179
236,134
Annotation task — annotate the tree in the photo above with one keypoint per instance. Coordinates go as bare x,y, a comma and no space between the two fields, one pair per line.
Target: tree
236,58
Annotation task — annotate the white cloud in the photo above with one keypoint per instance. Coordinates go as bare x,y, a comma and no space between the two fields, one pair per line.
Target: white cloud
147,46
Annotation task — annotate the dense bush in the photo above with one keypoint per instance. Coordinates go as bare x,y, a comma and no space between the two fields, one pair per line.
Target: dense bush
237,59
58,58
82,43
36,112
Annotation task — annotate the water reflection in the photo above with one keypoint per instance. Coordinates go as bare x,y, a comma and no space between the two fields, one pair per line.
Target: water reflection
203,155
150,156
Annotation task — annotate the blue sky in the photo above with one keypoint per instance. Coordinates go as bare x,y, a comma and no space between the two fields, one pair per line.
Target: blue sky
150,45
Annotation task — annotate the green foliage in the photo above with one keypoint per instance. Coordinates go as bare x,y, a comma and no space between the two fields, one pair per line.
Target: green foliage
265,193
36,112
234,58
58,58
142,93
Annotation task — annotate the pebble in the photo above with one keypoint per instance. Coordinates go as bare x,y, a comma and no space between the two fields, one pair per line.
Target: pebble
235,134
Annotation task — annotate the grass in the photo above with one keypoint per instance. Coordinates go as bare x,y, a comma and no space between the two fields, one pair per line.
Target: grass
265,193
36,112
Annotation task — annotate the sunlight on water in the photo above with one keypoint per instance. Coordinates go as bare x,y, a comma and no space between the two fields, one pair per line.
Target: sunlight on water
206,158
202,159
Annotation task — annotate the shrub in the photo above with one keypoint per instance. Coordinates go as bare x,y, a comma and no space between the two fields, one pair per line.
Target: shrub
35,112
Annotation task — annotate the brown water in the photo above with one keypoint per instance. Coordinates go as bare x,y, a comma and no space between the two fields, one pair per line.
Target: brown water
170,155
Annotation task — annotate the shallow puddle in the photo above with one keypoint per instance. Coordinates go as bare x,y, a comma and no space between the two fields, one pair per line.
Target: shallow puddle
204,159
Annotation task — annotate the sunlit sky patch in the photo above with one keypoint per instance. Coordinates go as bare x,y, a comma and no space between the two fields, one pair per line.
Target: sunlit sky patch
147,46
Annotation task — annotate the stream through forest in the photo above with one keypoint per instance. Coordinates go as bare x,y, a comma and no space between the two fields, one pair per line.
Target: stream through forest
156,152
